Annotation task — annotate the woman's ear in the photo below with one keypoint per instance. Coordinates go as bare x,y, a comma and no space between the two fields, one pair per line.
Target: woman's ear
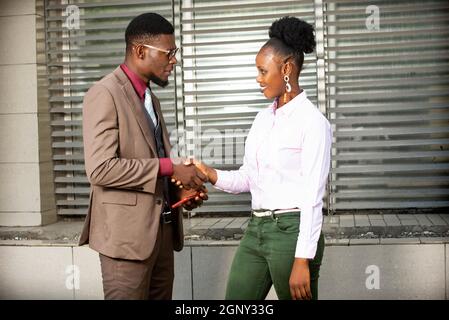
287,69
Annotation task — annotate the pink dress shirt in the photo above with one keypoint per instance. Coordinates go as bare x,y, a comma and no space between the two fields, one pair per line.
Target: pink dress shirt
165,164
286,164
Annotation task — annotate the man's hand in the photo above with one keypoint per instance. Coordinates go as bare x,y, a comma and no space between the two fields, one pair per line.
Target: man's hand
300,280
197,201
187,174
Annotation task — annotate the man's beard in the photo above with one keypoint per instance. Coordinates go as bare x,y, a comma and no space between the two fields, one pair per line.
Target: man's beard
159,81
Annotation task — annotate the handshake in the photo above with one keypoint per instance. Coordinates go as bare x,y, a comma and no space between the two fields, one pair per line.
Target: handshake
189,176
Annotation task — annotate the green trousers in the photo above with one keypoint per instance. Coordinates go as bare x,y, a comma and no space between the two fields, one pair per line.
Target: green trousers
265,257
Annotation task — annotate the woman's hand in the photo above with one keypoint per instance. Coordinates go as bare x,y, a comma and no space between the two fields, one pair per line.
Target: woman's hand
186,174
300,280
210,172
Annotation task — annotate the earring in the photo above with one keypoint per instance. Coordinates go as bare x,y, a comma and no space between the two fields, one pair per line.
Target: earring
288,88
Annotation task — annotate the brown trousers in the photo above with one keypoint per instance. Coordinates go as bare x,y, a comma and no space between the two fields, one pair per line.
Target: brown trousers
150,279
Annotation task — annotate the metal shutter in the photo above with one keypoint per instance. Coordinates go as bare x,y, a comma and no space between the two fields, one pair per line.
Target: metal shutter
387,95
385,91
76,59
220,40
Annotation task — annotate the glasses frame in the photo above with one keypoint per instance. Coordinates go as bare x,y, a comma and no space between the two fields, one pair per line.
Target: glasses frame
170,53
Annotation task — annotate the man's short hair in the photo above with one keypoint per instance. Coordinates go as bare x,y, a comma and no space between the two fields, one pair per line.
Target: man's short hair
145,27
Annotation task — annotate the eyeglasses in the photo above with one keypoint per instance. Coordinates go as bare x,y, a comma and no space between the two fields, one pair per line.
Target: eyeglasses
170,53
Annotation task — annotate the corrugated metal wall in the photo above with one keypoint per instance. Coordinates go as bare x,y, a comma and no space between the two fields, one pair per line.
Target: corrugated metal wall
388,99
383,87
220,42
76,59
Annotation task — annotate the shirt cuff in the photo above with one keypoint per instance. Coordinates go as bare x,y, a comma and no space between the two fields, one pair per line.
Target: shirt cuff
305,250
222,182
165,167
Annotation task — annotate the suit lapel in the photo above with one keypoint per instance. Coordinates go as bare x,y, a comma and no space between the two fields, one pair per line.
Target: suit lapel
137,110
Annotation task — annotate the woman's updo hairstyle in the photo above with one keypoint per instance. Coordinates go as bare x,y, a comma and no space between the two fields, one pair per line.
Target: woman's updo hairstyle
292,36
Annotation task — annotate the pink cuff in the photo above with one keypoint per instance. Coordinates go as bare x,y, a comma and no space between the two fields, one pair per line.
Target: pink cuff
165,167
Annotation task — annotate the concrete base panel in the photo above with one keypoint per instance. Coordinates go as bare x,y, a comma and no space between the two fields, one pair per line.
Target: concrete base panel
36,273
364,272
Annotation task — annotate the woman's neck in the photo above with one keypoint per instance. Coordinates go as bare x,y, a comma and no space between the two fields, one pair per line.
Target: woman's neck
285,98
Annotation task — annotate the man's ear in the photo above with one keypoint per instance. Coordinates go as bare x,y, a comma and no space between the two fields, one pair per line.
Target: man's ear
139,52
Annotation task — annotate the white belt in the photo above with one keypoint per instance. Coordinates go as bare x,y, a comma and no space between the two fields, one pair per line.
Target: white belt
267,213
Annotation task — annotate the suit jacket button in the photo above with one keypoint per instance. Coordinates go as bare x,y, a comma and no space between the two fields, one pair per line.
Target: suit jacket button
158,201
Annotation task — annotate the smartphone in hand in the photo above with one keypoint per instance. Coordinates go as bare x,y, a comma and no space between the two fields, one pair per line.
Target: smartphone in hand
186,199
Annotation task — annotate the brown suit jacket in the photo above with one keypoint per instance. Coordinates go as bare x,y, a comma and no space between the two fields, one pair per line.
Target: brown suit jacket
122,166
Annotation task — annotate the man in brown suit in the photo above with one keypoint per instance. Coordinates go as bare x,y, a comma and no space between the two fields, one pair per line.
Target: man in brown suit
126,148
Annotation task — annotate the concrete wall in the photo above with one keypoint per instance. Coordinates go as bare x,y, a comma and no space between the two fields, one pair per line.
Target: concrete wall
26,191
405,271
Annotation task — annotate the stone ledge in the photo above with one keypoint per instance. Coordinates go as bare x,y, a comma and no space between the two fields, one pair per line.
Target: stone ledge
334,227
227,231
61,232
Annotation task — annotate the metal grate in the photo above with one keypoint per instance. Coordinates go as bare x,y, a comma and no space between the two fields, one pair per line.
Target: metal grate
77,58
220,41
388,99
384,90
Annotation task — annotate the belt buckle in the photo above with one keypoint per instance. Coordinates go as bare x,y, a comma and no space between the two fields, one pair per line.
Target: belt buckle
166,217
263,213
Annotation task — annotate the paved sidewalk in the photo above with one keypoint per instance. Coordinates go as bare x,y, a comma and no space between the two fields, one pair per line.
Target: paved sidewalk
340,229
347,229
